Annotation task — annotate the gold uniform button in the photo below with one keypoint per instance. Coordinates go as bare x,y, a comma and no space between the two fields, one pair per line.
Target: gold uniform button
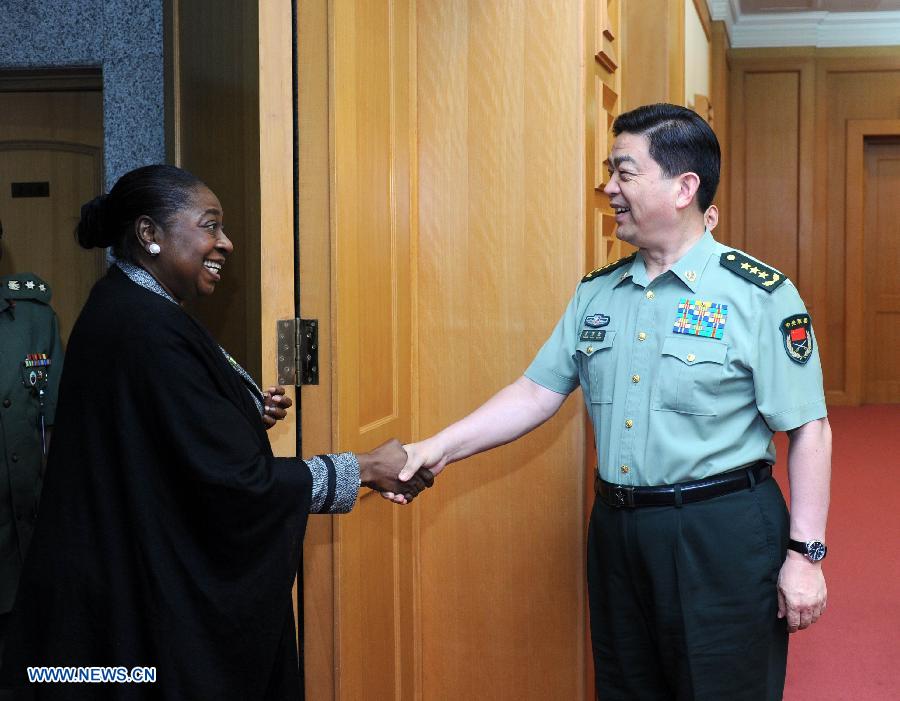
590,349
635,378
691,357
650,294
629,423
625,469
642,336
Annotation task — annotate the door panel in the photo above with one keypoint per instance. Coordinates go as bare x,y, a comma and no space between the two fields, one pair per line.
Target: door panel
881,365
372,220
505,230
54,138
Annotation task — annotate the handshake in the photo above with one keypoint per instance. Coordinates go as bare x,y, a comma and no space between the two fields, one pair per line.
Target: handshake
397,472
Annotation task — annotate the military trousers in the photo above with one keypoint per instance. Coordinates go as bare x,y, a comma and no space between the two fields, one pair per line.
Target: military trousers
683,600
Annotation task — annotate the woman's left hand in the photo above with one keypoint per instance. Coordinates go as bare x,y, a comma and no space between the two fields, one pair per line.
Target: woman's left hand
275,406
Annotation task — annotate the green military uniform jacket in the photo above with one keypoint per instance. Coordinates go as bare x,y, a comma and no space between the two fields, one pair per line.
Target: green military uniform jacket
687,375
30,352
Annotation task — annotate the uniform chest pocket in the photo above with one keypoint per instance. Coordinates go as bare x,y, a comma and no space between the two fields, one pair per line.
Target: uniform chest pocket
596,367
690,371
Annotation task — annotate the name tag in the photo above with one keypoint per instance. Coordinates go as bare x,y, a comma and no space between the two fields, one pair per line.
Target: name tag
593,334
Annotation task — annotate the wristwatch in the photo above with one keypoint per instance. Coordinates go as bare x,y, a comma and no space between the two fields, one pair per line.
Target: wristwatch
814,550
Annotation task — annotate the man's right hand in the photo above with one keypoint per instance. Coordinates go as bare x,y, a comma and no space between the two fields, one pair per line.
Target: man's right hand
380,468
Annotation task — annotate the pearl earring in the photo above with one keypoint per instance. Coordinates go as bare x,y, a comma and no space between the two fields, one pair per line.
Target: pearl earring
153,249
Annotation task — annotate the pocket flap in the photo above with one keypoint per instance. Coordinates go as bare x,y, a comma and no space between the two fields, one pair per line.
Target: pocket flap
591,346
691,351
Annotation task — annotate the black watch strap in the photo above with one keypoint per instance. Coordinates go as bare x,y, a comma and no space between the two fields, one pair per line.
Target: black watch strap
814,550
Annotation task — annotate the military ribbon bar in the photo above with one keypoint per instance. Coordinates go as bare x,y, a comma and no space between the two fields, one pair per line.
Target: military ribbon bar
700,318
36,360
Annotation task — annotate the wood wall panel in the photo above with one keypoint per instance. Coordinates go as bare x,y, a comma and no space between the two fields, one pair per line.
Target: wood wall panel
500,251
835,86
652,52
771,175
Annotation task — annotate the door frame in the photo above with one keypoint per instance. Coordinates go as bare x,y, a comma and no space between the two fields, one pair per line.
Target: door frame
858,130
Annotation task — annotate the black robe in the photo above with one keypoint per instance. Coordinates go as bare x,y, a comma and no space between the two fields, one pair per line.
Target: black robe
168,534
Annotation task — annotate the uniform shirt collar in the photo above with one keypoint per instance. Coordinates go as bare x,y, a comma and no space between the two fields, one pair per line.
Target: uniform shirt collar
689,268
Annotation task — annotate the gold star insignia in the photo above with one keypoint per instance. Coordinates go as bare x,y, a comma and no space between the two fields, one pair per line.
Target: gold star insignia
763,275
30,284
745,266
42,287
754,270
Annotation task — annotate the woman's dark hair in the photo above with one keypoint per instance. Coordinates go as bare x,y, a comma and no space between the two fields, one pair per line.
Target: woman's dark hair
680,142
157,191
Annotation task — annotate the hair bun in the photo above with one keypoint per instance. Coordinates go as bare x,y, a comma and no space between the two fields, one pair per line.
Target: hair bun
92,231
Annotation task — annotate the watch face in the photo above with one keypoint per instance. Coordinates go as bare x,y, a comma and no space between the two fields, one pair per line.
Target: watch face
815,550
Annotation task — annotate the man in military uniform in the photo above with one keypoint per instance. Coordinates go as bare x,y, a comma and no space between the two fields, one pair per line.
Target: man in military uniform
690,356
30,366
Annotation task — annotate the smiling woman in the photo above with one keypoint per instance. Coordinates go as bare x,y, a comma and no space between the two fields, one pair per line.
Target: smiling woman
196,244
169,534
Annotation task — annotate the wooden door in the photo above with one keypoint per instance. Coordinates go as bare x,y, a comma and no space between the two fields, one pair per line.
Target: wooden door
446,215
881,362
51,162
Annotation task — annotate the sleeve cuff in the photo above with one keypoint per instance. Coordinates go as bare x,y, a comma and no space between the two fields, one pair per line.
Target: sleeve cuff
346,483
552,381
335,483
794,418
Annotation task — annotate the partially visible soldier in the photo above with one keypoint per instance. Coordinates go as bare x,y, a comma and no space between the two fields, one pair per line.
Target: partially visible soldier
30,366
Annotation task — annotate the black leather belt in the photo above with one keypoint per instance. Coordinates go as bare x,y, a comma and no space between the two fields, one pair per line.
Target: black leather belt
622,496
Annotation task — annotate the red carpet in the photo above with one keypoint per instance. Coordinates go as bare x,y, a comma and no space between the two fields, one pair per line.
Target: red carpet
853,652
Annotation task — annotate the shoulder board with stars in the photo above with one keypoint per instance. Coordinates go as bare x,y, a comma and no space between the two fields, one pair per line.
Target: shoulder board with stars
609,267
24,286
760,275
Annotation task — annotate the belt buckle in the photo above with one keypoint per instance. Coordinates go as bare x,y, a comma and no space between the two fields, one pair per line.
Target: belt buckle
623,495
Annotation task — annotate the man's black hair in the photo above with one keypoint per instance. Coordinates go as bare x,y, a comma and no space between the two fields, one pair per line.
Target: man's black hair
680,142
